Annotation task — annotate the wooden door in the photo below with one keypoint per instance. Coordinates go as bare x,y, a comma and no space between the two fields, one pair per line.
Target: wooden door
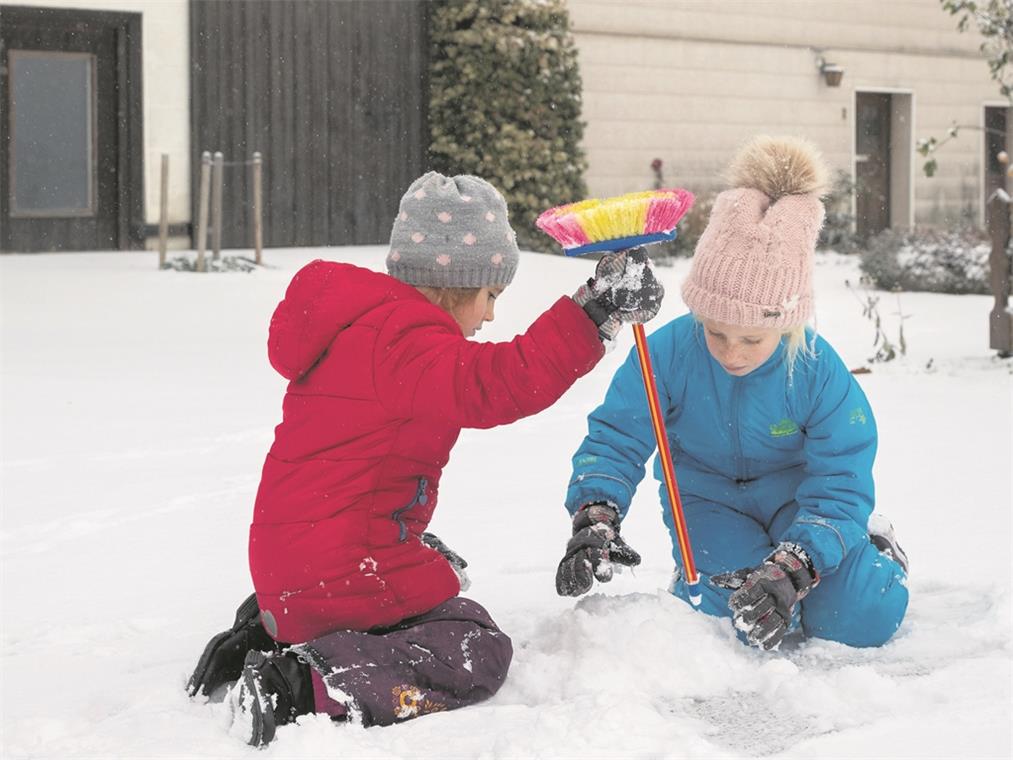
872,175
996,121
65,133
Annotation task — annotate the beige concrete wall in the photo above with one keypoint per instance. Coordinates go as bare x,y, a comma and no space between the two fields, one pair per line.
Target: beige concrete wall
687,82
166,92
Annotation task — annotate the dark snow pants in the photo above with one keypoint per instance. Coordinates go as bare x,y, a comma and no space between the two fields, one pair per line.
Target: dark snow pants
452,656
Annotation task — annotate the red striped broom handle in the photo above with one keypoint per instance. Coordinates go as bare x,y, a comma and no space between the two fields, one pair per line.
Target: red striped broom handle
658,422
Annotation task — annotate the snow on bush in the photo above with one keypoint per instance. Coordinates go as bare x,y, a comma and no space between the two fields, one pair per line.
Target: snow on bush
224,264
937,261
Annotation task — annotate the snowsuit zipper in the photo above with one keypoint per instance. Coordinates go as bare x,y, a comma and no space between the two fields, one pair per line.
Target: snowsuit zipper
421,497
741,477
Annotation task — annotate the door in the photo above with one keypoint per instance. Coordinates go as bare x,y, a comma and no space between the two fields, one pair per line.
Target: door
872,163
996,121
68,154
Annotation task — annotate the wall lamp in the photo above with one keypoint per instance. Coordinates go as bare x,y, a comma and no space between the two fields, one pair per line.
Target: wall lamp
831,72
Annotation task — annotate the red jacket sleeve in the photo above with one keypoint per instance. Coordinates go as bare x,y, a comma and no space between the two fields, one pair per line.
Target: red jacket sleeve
424,367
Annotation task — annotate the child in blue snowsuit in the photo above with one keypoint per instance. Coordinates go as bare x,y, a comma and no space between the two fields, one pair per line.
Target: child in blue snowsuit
773,440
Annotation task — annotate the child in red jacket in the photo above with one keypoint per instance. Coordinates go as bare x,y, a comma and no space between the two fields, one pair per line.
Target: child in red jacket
382,380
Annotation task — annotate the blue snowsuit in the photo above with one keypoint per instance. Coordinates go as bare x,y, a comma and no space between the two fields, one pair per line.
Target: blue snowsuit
759,460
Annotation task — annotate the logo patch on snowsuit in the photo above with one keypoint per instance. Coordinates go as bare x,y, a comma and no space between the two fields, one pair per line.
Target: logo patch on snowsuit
857,416
783,428
410,701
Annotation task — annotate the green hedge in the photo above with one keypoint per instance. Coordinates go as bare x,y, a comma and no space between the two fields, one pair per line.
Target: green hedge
504,103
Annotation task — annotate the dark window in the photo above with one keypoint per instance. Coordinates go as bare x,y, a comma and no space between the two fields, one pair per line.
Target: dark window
52,111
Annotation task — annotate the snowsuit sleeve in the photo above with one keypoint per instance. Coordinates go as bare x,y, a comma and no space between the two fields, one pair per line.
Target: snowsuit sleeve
610,462
837,495
423,367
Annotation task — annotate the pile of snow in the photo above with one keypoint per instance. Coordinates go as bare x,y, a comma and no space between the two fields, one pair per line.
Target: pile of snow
137,406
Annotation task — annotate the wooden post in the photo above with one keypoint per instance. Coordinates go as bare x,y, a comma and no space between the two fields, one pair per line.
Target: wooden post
258,210
217,177
163,213
202,209
1000,319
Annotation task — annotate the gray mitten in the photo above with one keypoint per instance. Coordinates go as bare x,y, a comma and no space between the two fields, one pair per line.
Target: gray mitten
764,598
623,290
593,551
457,562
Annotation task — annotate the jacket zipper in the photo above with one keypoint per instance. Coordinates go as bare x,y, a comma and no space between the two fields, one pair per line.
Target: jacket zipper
420,498
740,474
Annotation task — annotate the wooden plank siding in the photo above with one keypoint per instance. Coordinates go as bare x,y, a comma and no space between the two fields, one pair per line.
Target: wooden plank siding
332,93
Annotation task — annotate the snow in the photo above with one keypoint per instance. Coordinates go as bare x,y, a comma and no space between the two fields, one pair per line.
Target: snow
137,406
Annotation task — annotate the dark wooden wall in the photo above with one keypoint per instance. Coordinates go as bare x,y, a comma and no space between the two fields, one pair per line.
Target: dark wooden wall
332,93
117,219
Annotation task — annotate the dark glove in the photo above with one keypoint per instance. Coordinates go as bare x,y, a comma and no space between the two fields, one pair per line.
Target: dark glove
222,659
595,546
623,289
457,562
764,597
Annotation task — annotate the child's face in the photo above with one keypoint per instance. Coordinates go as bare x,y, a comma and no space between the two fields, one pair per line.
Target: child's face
740,350
473,314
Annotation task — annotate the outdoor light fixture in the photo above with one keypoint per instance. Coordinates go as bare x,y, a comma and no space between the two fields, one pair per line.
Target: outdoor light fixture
831,72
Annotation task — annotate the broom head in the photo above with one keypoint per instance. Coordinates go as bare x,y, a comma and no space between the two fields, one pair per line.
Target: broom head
618,223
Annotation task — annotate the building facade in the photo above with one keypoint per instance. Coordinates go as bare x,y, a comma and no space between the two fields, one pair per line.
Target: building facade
687,82
333,94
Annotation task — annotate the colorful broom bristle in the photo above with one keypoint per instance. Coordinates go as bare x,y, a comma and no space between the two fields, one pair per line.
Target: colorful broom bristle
667,211
590,224
563,225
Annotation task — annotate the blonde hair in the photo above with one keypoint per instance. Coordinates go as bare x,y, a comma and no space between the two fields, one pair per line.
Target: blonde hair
795,346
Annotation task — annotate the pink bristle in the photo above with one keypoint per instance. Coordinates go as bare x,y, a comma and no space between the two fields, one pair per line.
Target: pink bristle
667,209
570,226
562,226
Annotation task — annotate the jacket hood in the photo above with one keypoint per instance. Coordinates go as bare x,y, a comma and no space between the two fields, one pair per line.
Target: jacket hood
323,299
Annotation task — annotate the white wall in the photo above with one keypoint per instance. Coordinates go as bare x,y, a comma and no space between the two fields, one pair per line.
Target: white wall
166,93
688,82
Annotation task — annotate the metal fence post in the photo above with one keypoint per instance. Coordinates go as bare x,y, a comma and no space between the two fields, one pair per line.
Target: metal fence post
202,209
1000,320
217,179
258,211
163,213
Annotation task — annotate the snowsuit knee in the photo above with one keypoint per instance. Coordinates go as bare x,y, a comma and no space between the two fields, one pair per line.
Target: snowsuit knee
449,657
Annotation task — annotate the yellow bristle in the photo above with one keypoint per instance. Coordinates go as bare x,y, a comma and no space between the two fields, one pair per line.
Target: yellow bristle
577,207
616,217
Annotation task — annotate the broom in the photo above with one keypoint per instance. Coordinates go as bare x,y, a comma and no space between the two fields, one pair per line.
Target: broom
618,224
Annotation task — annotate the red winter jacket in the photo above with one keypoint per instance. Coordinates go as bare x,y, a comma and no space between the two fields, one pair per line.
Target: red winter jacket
382,381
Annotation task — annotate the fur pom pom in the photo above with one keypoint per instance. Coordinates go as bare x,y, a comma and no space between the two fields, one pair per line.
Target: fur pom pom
779,166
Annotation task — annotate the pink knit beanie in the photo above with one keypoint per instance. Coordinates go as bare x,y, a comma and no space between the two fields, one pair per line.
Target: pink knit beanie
753,263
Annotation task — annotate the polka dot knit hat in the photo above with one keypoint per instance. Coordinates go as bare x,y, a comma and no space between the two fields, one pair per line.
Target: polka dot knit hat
753,264
452,232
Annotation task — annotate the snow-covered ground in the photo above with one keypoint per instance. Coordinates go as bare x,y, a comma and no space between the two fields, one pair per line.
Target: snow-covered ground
137,406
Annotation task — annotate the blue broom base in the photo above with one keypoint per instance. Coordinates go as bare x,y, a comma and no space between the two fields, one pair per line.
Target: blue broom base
621,244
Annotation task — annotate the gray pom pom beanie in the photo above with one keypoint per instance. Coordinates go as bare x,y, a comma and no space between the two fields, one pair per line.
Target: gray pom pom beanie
452,232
